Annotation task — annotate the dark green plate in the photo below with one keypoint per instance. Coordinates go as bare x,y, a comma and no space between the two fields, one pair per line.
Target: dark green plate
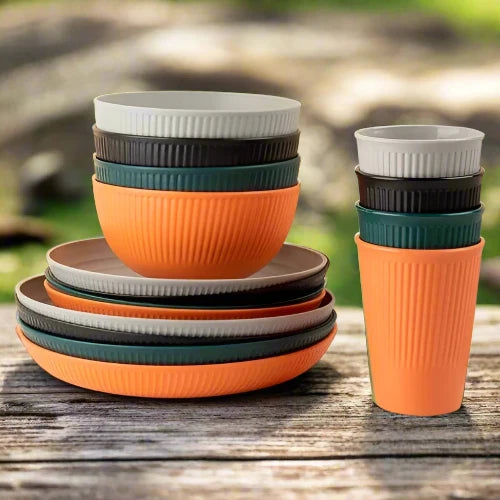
262,177
179,355
420,231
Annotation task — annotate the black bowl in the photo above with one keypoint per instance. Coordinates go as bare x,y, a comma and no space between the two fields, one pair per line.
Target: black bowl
172,152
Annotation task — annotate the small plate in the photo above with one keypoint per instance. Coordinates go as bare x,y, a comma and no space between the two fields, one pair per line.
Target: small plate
78,302
31,294
87,333
195,301
91,265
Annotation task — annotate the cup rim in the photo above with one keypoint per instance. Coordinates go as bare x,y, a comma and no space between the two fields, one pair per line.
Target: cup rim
365,134
424,180
424,215
419,251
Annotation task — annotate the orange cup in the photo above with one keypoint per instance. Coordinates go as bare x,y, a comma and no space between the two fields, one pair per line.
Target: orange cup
194,235
419,312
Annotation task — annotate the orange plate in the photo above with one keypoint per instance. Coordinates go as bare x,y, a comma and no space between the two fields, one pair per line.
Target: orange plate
201,235
66,301
188,381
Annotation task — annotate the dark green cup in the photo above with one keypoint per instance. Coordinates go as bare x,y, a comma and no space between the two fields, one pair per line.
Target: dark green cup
262,177
420,231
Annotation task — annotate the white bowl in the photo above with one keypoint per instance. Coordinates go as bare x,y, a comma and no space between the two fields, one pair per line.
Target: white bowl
32,295
196,114
419,150
91,265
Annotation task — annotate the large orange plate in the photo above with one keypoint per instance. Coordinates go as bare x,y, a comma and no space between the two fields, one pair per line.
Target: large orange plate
188,381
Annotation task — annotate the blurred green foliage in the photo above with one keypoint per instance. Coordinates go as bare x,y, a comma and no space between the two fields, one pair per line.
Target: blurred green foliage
334,234
479,17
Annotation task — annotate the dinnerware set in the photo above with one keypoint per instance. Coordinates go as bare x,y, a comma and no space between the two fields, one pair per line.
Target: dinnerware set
419,249
192,292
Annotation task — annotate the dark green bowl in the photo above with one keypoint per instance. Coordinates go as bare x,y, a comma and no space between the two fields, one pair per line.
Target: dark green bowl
262,177
420,231
179,354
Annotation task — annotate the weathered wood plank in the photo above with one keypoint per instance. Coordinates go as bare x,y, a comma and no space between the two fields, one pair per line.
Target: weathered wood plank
361,478
325,413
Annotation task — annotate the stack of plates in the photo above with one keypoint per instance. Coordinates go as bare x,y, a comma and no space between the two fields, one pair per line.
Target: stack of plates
93,322
192,292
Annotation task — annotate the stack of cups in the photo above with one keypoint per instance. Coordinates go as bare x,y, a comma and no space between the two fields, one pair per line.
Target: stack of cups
419,249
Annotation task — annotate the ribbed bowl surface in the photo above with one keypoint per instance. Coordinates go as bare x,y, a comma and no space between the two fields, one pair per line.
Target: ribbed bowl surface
243,178
170,234
170,152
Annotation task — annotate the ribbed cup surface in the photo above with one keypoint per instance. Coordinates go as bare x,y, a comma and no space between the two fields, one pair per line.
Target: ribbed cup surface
417,159
194,235
419,312
421,231
170,152
243,178
177,381
439,195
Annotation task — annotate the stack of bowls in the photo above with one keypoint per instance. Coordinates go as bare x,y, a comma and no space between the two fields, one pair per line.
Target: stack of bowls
192,292
196,184
419,249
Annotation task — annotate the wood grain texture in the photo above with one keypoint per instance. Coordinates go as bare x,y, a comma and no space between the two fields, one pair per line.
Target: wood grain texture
411,479
319,433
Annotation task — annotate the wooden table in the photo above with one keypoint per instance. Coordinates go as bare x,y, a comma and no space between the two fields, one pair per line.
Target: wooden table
319,435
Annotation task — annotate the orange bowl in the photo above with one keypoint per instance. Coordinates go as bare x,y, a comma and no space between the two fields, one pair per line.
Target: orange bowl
173,381
194,235
67,301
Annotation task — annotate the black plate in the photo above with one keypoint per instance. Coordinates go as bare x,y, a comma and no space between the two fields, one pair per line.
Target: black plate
422,195
171,152
79,332
276,295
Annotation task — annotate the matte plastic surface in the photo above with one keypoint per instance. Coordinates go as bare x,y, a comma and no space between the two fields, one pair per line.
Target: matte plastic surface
420,231
79,303
243,178
94,334
277,295
419,150
91,265
196,114
178,355
434,195
174,234
32,295
419,312
187,381
170,152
